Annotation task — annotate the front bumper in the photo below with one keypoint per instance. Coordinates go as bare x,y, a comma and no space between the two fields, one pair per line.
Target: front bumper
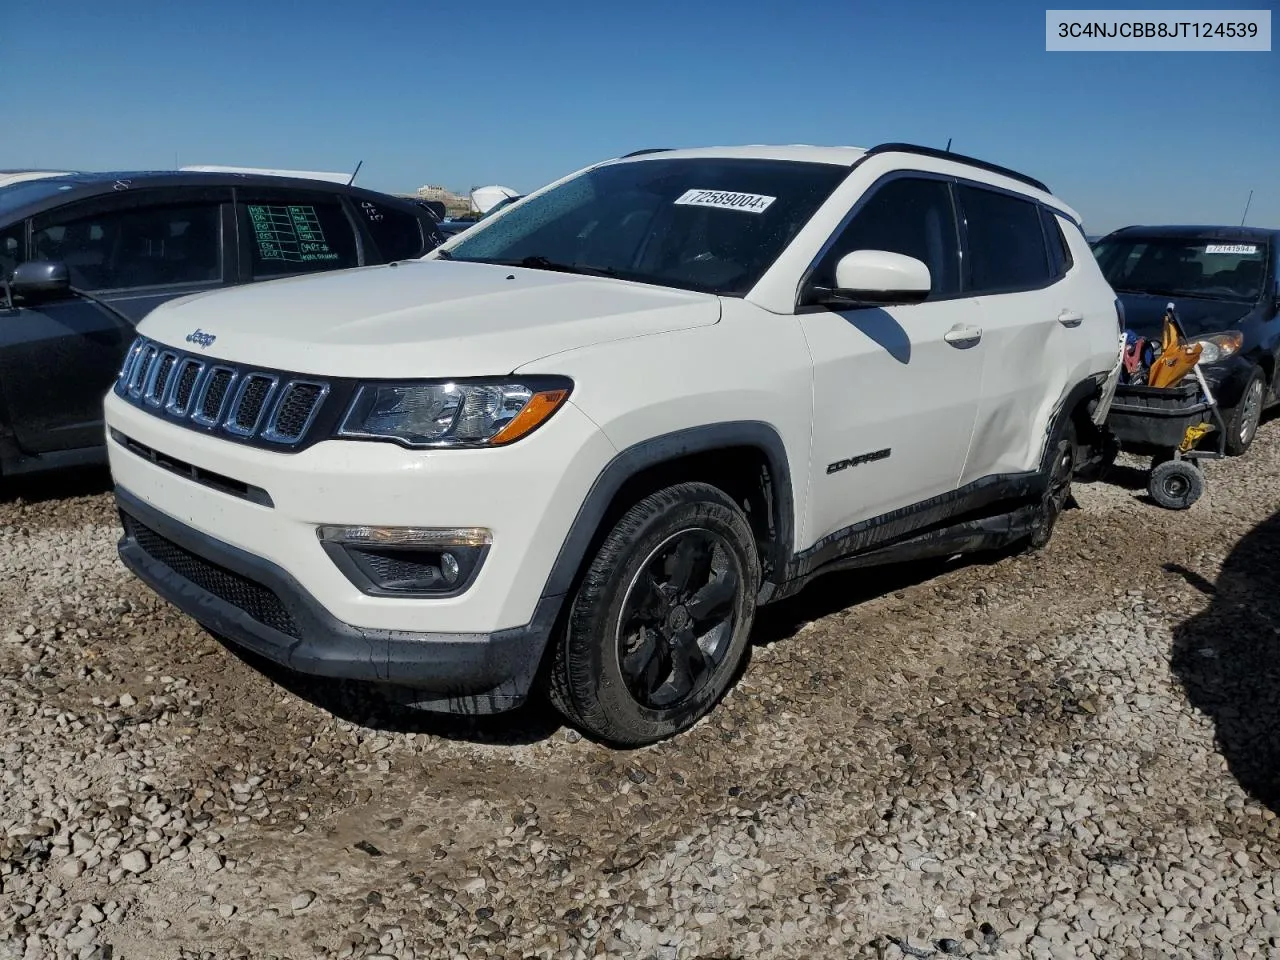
228,533
1227,379
258,605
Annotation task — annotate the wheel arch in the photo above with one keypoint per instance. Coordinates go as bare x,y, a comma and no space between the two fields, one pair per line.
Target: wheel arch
1076,409
746,458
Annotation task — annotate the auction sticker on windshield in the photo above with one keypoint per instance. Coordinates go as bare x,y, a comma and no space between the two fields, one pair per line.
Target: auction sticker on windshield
1231,248
722,199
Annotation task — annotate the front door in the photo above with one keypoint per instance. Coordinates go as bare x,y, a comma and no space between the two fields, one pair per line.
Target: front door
895,389
133,251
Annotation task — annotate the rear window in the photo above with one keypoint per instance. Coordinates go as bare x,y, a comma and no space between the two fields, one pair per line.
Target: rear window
1060,259
293,238
398,235
1006,241
1204,267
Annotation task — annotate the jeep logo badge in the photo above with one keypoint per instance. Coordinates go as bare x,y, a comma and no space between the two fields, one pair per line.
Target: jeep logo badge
200,338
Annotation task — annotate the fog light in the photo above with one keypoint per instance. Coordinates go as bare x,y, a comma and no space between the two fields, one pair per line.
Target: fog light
449,567
400,561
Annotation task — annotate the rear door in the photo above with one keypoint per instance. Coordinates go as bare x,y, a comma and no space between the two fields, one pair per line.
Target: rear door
132,249
286,232
1033,331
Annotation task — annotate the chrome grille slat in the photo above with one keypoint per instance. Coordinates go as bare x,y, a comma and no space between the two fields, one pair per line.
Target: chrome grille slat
295,411
158,377
239,403
213,395
185,382
250,403
141,370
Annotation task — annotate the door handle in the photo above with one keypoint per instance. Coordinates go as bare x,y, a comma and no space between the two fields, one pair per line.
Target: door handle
1070,318
963,336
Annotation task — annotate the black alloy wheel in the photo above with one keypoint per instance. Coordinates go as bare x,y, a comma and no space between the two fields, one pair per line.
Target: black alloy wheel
662,618
678,617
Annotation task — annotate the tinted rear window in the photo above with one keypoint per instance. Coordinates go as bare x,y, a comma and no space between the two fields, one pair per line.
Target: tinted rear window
398,235
1006,241
305,237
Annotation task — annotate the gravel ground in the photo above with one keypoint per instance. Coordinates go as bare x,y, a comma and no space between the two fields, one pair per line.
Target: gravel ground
1071,754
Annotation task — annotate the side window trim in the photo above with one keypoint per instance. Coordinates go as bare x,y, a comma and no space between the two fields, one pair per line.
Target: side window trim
967,286
806,277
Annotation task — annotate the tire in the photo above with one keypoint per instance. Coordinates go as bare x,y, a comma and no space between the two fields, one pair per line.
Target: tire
1058,491
1242,425
1093,461
1176,484
638,660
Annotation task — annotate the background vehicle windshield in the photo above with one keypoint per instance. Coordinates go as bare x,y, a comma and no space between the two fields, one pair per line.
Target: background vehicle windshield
713,225
1185,266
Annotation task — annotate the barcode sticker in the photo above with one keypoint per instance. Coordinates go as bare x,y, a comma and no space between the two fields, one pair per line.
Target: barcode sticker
725,200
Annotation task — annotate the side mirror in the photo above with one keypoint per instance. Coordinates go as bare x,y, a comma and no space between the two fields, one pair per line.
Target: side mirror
876,278
40,278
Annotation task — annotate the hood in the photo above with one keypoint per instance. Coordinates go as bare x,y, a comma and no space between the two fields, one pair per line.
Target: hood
1144,313
421,318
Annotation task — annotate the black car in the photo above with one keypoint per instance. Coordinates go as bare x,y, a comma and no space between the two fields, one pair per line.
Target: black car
1223,284
84,257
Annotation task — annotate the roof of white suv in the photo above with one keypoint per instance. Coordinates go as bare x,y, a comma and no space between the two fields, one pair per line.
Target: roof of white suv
842,156
850,156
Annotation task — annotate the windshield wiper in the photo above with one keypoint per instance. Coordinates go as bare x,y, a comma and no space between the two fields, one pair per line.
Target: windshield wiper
443,254
538,262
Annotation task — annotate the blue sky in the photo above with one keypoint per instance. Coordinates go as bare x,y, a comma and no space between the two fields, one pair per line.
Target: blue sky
519,93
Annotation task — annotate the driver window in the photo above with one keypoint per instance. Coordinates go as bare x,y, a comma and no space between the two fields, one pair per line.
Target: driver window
908,215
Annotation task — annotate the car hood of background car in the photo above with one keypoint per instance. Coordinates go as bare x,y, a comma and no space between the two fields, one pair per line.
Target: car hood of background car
1144,313
421,318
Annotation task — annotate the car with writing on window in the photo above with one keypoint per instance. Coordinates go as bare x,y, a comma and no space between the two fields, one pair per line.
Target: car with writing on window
1225,284
84,257
572,449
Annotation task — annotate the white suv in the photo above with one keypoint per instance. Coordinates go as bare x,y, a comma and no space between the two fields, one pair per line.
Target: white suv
575,447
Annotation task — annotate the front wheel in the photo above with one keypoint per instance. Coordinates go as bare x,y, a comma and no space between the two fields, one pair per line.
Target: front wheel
1242,425
659,626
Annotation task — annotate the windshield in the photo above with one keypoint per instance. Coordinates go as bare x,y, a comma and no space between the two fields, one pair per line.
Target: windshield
19,194
1185,267
713,225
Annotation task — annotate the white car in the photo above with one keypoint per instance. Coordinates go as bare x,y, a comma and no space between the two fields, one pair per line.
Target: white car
574,449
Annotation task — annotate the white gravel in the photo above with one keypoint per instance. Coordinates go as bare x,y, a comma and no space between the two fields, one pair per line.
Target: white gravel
1067,755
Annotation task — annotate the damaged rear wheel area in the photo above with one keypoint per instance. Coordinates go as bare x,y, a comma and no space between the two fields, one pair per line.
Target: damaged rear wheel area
1057,492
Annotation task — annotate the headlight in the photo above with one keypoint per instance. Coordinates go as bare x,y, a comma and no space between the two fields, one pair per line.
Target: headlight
1218,346
454,414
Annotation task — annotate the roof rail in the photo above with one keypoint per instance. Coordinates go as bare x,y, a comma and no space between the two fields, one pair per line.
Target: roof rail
638,153
958,158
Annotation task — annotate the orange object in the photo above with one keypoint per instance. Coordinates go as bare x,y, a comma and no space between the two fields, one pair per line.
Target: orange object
1174,363
540,406
1176,359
